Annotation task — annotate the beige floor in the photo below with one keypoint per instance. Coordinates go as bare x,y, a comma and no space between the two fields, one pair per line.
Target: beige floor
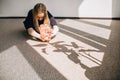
84,49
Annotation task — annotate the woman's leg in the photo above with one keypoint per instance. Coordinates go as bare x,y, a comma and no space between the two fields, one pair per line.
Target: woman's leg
33,33
55,30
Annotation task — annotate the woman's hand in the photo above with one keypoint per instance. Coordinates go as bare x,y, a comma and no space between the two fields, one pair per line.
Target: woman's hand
45,33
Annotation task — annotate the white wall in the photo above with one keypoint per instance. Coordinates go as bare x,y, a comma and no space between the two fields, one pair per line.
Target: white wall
56,7
96,8
63,8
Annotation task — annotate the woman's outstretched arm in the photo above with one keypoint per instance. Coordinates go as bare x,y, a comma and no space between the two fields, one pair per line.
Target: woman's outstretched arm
33,33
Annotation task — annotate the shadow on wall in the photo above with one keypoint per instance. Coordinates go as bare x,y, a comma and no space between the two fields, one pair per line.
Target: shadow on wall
115,8
1,6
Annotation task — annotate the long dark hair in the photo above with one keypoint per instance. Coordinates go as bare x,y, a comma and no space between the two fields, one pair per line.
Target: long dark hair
40,7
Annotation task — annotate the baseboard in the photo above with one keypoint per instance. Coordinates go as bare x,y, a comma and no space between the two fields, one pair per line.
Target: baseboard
12,17
113,18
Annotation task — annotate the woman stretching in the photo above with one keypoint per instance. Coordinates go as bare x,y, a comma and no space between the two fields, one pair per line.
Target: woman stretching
40,23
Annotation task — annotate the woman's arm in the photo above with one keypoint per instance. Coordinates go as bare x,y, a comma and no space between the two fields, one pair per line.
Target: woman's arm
28,22
55,30
53,23
33,33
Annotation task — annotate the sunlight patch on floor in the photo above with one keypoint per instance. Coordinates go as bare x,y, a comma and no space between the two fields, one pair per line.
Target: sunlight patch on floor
86,38
107,23
14,66
90,29
68,55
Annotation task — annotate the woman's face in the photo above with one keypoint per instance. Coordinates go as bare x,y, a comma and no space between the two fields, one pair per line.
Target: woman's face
40,16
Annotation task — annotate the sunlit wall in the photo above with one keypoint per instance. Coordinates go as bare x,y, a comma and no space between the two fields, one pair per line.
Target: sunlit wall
95,8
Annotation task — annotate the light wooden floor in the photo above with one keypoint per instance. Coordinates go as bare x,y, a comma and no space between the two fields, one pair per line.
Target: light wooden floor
84,49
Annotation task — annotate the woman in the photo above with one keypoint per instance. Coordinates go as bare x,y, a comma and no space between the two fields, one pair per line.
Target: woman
37,17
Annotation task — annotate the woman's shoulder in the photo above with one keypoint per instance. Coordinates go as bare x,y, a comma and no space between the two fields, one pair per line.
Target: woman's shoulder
49,14
30,14
30,11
